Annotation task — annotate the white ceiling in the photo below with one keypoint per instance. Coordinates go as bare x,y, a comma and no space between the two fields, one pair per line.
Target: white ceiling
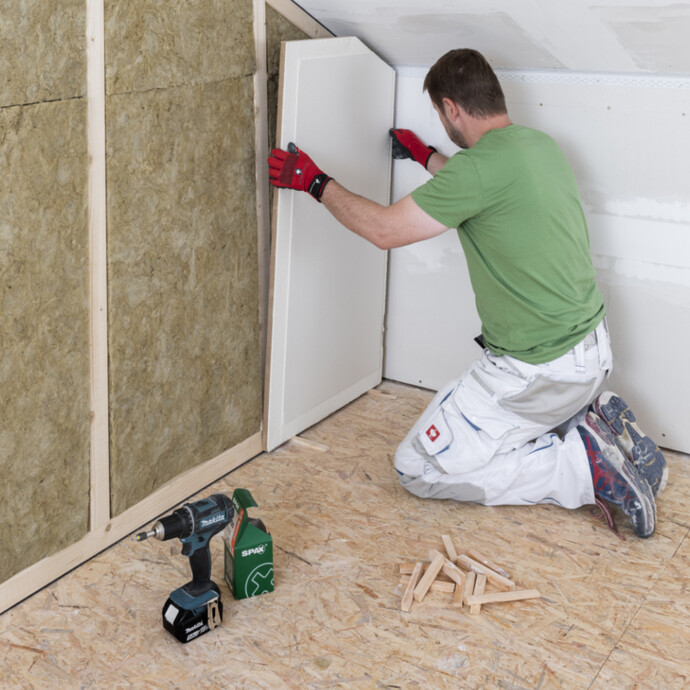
633,36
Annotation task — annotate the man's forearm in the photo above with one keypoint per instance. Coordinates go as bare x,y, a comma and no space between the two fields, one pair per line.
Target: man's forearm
363,216
436,162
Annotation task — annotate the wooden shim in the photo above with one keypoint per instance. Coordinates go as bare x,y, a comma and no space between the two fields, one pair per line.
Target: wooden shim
383,395
429,576
479,586
489,564
409,592
458,596
310,445
454,573
450,549
407,568
498,581
498,597
469,585
444,586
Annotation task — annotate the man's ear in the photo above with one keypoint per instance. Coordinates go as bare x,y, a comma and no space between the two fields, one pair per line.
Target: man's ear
450,109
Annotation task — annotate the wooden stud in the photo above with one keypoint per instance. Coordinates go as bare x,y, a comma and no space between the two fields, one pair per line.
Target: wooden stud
98,308
498,597
409,592
479,586
498,581
297,16
263,216
450,549
489,564
429,576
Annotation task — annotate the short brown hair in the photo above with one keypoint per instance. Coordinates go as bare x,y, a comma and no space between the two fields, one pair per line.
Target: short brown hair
464,76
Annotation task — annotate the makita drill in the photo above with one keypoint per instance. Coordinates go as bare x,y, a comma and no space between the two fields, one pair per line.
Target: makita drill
194,608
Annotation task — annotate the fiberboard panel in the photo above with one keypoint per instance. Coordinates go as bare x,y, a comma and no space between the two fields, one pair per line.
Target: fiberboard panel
328,285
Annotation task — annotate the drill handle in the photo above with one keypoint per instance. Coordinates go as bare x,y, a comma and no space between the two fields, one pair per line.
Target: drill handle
200,562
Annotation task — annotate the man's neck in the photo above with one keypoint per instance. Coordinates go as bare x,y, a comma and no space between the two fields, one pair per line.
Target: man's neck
486,124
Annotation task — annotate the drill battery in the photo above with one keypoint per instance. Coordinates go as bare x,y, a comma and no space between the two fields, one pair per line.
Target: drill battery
188,618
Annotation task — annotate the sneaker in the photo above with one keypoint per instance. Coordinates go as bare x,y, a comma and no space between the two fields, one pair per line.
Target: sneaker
639,448
615,478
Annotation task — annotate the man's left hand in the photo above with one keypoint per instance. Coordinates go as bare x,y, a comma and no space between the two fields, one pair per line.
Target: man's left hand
294,169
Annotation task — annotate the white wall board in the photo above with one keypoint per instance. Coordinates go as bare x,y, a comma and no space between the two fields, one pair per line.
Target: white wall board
628,140
431,319
328,285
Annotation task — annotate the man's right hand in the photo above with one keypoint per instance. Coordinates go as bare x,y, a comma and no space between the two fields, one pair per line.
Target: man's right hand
406,144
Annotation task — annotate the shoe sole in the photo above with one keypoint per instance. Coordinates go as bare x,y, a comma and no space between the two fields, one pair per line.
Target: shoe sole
641,450
640,508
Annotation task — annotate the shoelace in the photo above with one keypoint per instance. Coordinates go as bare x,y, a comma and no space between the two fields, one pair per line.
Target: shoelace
606,516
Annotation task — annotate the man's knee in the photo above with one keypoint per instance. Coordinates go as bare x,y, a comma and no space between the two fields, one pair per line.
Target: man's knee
434,486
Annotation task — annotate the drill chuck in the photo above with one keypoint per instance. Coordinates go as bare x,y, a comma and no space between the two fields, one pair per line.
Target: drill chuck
174,525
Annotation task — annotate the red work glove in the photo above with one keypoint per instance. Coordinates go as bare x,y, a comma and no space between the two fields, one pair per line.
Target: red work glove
295,170
406,144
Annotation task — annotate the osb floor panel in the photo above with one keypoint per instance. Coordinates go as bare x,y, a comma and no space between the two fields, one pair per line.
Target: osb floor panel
613,614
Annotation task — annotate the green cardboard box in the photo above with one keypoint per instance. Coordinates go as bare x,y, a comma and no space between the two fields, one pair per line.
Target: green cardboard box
248,551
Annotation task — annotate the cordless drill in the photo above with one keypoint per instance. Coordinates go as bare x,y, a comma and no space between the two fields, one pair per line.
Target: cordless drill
194,608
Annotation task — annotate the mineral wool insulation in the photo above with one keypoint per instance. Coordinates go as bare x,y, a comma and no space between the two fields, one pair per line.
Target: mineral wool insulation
184,338
44,282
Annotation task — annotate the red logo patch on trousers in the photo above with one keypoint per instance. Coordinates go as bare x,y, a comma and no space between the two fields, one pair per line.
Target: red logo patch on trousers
433,433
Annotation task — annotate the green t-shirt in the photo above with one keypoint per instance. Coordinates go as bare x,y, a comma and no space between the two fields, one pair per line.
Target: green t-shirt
515,202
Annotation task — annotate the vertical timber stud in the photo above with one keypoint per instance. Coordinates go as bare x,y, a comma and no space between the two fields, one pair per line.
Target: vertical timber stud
95,91
263,216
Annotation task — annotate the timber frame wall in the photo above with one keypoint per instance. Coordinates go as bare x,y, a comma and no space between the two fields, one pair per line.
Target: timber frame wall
104,527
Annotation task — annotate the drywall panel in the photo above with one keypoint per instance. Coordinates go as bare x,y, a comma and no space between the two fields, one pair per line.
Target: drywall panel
628,140
184,329
44,331
328,288
431,318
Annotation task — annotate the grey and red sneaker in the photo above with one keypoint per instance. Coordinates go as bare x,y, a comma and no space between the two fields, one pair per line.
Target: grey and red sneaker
615,478
638,447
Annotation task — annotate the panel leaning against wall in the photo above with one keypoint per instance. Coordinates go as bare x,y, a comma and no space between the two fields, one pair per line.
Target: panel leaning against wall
184,333
44,282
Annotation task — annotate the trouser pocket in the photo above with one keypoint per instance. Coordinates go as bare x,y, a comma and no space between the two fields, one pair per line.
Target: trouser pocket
461,442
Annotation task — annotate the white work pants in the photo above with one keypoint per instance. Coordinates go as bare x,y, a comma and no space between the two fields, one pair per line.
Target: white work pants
504,432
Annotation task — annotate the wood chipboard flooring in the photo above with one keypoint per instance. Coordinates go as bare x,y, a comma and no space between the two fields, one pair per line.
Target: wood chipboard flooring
614,614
